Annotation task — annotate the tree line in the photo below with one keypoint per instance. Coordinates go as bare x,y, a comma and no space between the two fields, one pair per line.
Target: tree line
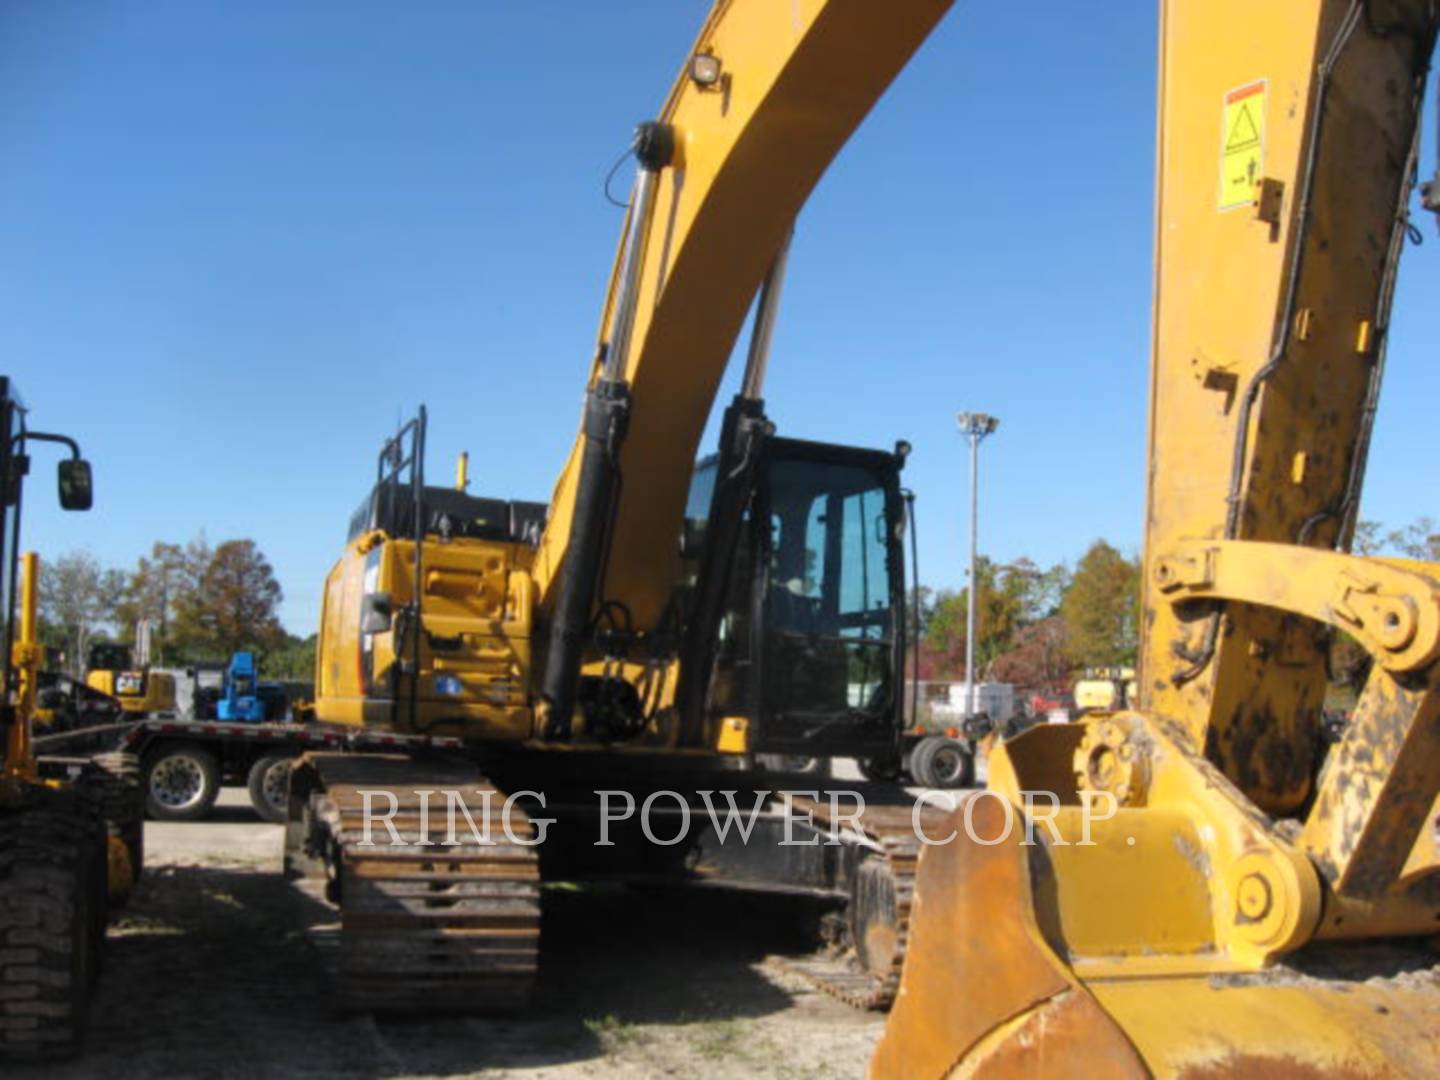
1035,627
202,602
1039,627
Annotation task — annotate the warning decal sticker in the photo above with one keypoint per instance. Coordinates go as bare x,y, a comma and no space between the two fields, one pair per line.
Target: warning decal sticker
1242,145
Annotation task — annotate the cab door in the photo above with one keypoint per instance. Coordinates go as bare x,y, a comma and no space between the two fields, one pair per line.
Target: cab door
826,601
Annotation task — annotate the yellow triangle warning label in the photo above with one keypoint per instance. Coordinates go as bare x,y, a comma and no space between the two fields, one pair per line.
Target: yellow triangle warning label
1243,133
1242,144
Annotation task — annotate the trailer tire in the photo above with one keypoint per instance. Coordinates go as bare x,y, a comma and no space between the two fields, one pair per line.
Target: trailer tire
182,782
269,784
938,762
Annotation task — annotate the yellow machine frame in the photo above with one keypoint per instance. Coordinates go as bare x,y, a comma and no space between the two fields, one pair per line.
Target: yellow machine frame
27,655
1188,936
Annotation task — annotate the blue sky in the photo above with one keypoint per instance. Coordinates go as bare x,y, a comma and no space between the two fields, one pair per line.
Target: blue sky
238,241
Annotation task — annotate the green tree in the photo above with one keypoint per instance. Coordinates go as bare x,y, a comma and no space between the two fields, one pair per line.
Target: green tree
1046,591
1418,540
235,607
1101,609
77,600
164,588
1010,598
294,658
1036,658
1006,604
997,615
1368,539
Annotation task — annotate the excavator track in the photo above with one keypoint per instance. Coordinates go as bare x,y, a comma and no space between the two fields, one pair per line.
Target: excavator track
866,974
426,928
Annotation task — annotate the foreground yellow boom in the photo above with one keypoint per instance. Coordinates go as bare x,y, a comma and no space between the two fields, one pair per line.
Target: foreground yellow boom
1256,904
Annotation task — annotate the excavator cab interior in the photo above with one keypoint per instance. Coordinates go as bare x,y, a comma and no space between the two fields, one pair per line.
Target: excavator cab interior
809,637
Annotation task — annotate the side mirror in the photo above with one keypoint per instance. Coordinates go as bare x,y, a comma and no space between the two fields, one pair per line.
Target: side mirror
76,490
375,613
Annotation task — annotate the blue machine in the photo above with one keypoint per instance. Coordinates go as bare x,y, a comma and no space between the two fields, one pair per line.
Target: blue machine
243,697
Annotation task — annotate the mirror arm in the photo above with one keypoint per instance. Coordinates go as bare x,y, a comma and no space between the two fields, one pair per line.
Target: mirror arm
45,436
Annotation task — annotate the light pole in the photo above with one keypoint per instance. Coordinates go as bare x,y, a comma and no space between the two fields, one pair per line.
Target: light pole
976,426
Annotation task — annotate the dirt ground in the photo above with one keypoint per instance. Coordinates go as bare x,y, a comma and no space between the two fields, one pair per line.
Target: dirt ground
211,973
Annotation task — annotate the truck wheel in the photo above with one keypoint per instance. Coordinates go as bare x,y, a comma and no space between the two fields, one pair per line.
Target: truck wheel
182,782
269,785
937,762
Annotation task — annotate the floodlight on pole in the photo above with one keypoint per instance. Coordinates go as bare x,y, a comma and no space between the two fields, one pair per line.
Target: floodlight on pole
974,425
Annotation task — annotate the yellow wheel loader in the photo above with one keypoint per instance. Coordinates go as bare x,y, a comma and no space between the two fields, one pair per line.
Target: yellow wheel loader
68,846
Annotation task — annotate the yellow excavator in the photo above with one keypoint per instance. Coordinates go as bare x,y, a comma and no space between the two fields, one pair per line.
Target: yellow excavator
1215,890
70,844
657,625
122,671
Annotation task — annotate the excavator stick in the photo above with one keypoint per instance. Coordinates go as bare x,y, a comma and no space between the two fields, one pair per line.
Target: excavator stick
1203,887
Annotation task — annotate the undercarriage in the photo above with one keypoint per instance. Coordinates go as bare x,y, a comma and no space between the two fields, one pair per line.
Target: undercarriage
436,862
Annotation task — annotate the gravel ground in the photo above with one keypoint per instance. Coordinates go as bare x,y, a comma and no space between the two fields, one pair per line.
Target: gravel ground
211,974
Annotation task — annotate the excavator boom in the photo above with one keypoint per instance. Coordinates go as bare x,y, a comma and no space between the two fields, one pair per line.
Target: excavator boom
768,96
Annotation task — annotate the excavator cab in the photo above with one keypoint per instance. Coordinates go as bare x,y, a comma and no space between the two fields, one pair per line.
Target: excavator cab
809,644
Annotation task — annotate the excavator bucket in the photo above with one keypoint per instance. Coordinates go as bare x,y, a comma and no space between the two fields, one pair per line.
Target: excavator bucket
981,986
1082,939
984,993
1034,953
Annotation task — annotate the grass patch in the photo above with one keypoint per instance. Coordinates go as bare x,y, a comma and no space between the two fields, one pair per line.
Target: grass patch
718,1039
613,1032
